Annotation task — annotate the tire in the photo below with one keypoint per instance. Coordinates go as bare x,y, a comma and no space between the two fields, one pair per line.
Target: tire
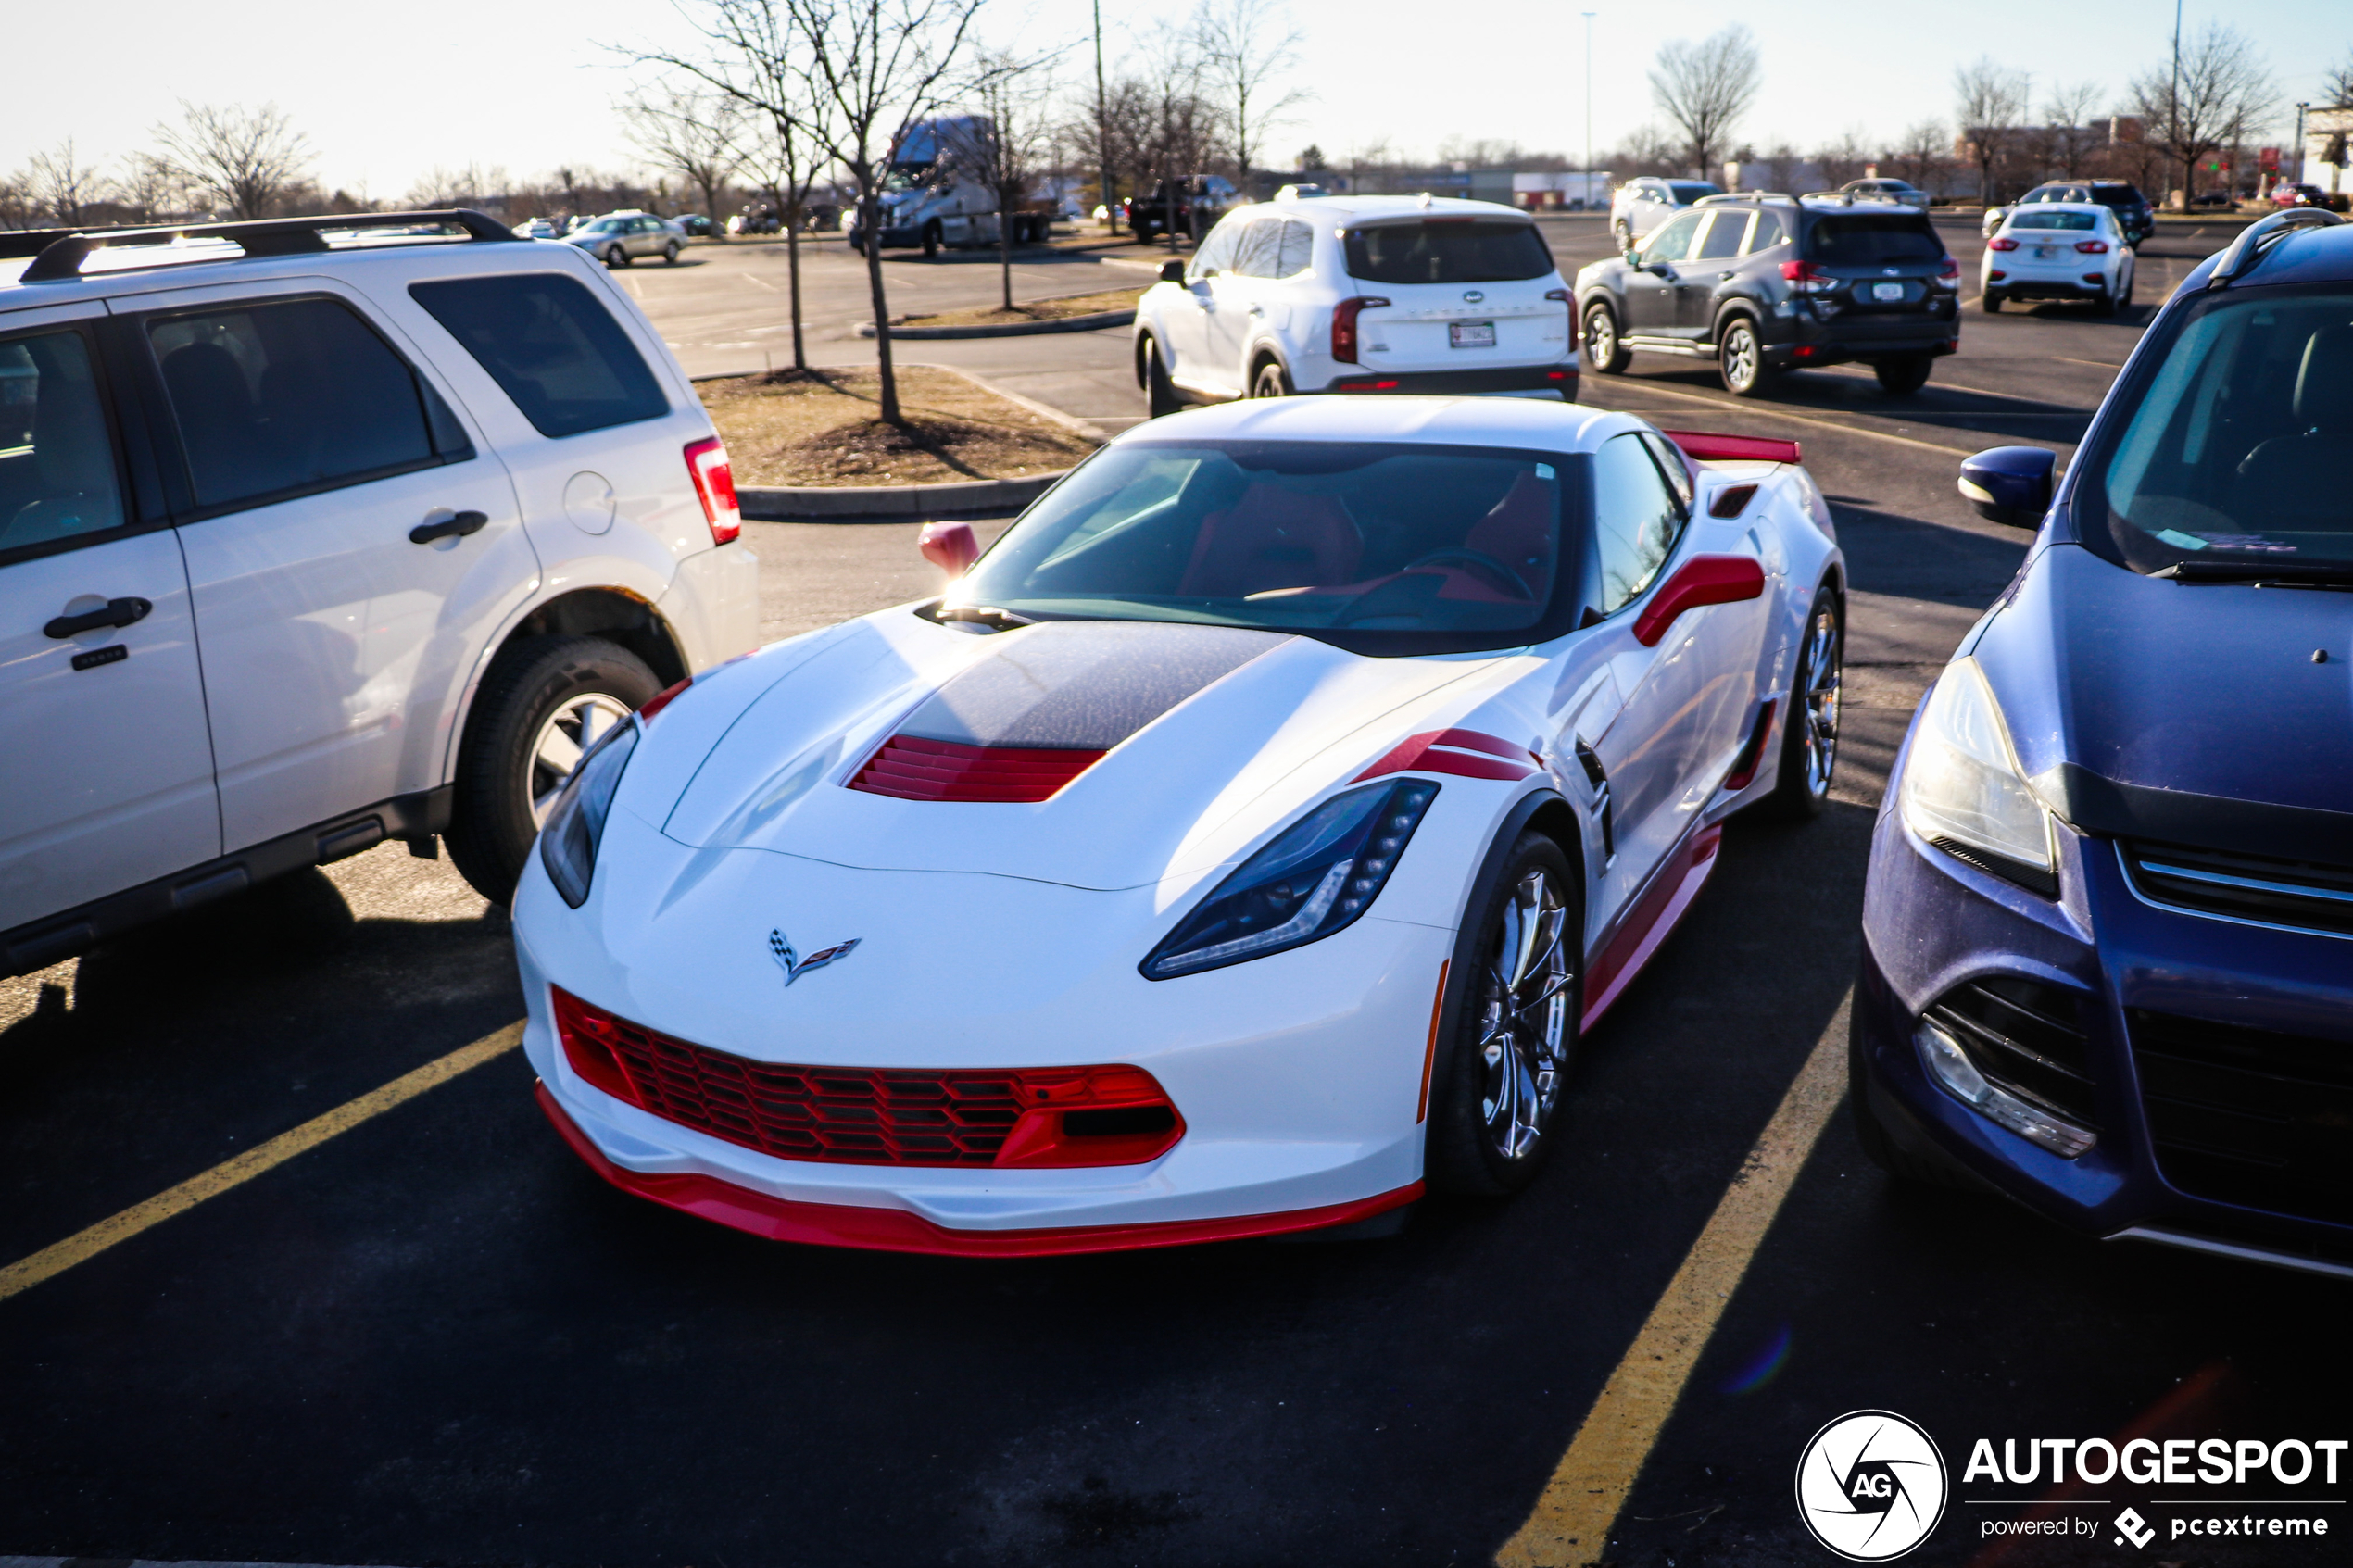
1901,378
670,254
931,239
2125,302
2104,303
1500,1076
1622,234
1809,731
1270,380
1991,301
1740,359
616,257
1160,393
1605,350
527,721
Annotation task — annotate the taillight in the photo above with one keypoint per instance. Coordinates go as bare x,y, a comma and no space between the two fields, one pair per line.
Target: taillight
1952,273
715,487
1806,278
2092,247
2001,244
1344,316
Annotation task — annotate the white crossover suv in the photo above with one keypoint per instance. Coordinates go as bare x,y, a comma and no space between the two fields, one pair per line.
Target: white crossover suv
318,532
1358,294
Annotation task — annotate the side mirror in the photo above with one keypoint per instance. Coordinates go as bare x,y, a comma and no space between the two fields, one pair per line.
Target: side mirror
2010,485
1703,580
1172,271
950,546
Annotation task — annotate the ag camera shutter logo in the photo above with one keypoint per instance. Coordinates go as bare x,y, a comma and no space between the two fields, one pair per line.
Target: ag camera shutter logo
1871,1485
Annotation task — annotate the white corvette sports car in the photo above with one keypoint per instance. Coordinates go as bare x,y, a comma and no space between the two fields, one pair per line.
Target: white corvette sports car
1241,843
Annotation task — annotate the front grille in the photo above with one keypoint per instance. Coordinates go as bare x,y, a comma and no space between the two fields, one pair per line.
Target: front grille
2025,1037
913,769
2249,1116
2299,893
1111,1115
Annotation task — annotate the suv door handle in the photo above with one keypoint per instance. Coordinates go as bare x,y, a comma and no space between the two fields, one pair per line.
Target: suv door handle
1723,277
449,527
114,612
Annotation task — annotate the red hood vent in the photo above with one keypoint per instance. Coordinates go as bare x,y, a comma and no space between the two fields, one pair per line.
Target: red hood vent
913,769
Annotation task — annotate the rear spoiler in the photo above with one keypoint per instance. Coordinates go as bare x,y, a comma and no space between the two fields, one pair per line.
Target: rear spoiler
1702,447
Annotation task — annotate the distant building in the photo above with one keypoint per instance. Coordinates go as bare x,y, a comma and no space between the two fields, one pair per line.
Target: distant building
2323,162
1574,192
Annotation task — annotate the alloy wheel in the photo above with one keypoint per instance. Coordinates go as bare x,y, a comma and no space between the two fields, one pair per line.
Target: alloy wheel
1524,1023
1600,338
576,724
1819,700
1740,357
1268,383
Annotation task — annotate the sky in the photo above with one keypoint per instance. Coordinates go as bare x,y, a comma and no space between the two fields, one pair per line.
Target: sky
385,93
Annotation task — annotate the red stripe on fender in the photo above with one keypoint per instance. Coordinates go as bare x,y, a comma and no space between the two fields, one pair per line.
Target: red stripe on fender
1703,580
1467,754
1703,447
1651,922
896,1230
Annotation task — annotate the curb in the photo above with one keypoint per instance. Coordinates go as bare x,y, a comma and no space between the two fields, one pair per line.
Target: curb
1095,322
891,503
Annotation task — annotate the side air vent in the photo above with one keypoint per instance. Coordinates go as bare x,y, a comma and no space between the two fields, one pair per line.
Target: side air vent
915,768
1596,775
2299,895
2025,1038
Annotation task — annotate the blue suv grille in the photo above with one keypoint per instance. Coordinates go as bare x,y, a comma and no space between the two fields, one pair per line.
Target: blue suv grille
2249,1116
2203,882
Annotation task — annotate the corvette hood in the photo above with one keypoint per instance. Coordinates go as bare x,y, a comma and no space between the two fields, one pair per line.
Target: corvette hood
2190,713
1092,754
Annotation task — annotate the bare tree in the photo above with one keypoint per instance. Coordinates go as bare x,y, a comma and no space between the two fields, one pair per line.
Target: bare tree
1842,159
2220,96
1648,150
474,185
1246,47
1782,163
57,181
2069,135
1016,95
241,159
2336,85
15,205
151,188
1991,101
1705,88
1920,158
694,135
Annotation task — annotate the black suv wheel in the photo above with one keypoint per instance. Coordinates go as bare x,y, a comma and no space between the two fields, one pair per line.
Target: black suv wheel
1740,357
1605,351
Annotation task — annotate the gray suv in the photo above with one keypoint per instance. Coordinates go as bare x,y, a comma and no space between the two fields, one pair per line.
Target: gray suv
1765,283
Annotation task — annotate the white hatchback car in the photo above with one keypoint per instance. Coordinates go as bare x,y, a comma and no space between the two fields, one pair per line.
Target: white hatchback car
310,538
1364,294
1639,206
2059,250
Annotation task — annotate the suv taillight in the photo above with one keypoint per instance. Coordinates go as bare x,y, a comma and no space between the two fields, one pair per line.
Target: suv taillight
1806,278
715,487
1344,316
1952,273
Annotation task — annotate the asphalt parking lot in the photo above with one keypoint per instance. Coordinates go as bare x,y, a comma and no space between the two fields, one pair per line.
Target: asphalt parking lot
436,1338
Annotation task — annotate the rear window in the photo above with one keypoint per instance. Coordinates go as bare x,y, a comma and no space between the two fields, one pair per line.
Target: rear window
1448,250
1869,239
2116,195
2055,221
1689,190
550,346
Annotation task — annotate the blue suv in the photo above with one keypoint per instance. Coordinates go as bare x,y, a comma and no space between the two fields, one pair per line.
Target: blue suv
2109,958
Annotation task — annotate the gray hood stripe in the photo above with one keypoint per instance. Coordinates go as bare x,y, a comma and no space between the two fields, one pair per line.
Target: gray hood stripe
1082,684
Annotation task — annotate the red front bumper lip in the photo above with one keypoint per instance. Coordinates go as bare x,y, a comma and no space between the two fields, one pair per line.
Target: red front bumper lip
896,1230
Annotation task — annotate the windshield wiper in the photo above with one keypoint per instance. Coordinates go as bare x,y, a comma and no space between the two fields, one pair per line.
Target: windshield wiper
2263,574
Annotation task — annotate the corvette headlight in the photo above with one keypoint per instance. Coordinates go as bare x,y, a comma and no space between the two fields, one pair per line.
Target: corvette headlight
577,822
1963,791
1315,879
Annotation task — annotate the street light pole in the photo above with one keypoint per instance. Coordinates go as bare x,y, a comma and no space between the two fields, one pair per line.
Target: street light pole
1103,127
2173,109
1589,111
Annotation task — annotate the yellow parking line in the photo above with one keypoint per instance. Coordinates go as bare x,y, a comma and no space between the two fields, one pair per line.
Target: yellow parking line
84,1245
1572,1520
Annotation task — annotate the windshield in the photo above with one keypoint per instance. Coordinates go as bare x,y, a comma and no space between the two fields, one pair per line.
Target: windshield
1380,547
1448,250
2056,221
1689,190
2240,445
1873,238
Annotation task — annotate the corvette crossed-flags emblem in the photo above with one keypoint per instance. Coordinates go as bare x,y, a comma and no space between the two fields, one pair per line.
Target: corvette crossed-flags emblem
795,965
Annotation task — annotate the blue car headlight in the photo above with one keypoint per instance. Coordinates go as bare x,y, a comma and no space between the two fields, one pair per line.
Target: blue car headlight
577,822
1315,879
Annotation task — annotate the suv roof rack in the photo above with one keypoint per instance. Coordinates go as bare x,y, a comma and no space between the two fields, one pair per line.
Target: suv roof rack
2257,238
57,253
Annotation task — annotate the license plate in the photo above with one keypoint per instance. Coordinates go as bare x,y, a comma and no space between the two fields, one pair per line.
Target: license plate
1887,291
1470,334
2046,253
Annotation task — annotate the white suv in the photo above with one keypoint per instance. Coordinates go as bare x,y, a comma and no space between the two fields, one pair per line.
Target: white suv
311,537
1358,294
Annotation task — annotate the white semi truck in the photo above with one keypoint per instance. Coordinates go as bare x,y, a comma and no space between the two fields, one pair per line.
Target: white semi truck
940,193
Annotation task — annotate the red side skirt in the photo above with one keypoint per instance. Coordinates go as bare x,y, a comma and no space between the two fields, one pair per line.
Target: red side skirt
896,1230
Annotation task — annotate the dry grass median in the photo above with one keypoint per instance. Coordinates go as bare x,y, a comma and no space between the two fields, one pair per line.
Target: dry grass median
819,427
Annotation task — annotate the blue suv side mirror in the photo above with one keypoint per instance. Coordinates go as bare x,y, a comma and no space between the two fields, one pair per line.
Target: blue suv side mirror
2010,485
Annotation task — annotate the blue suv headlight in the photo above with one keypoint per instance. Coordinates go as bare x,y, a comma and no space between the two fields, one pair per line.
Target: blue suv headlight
1315,879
